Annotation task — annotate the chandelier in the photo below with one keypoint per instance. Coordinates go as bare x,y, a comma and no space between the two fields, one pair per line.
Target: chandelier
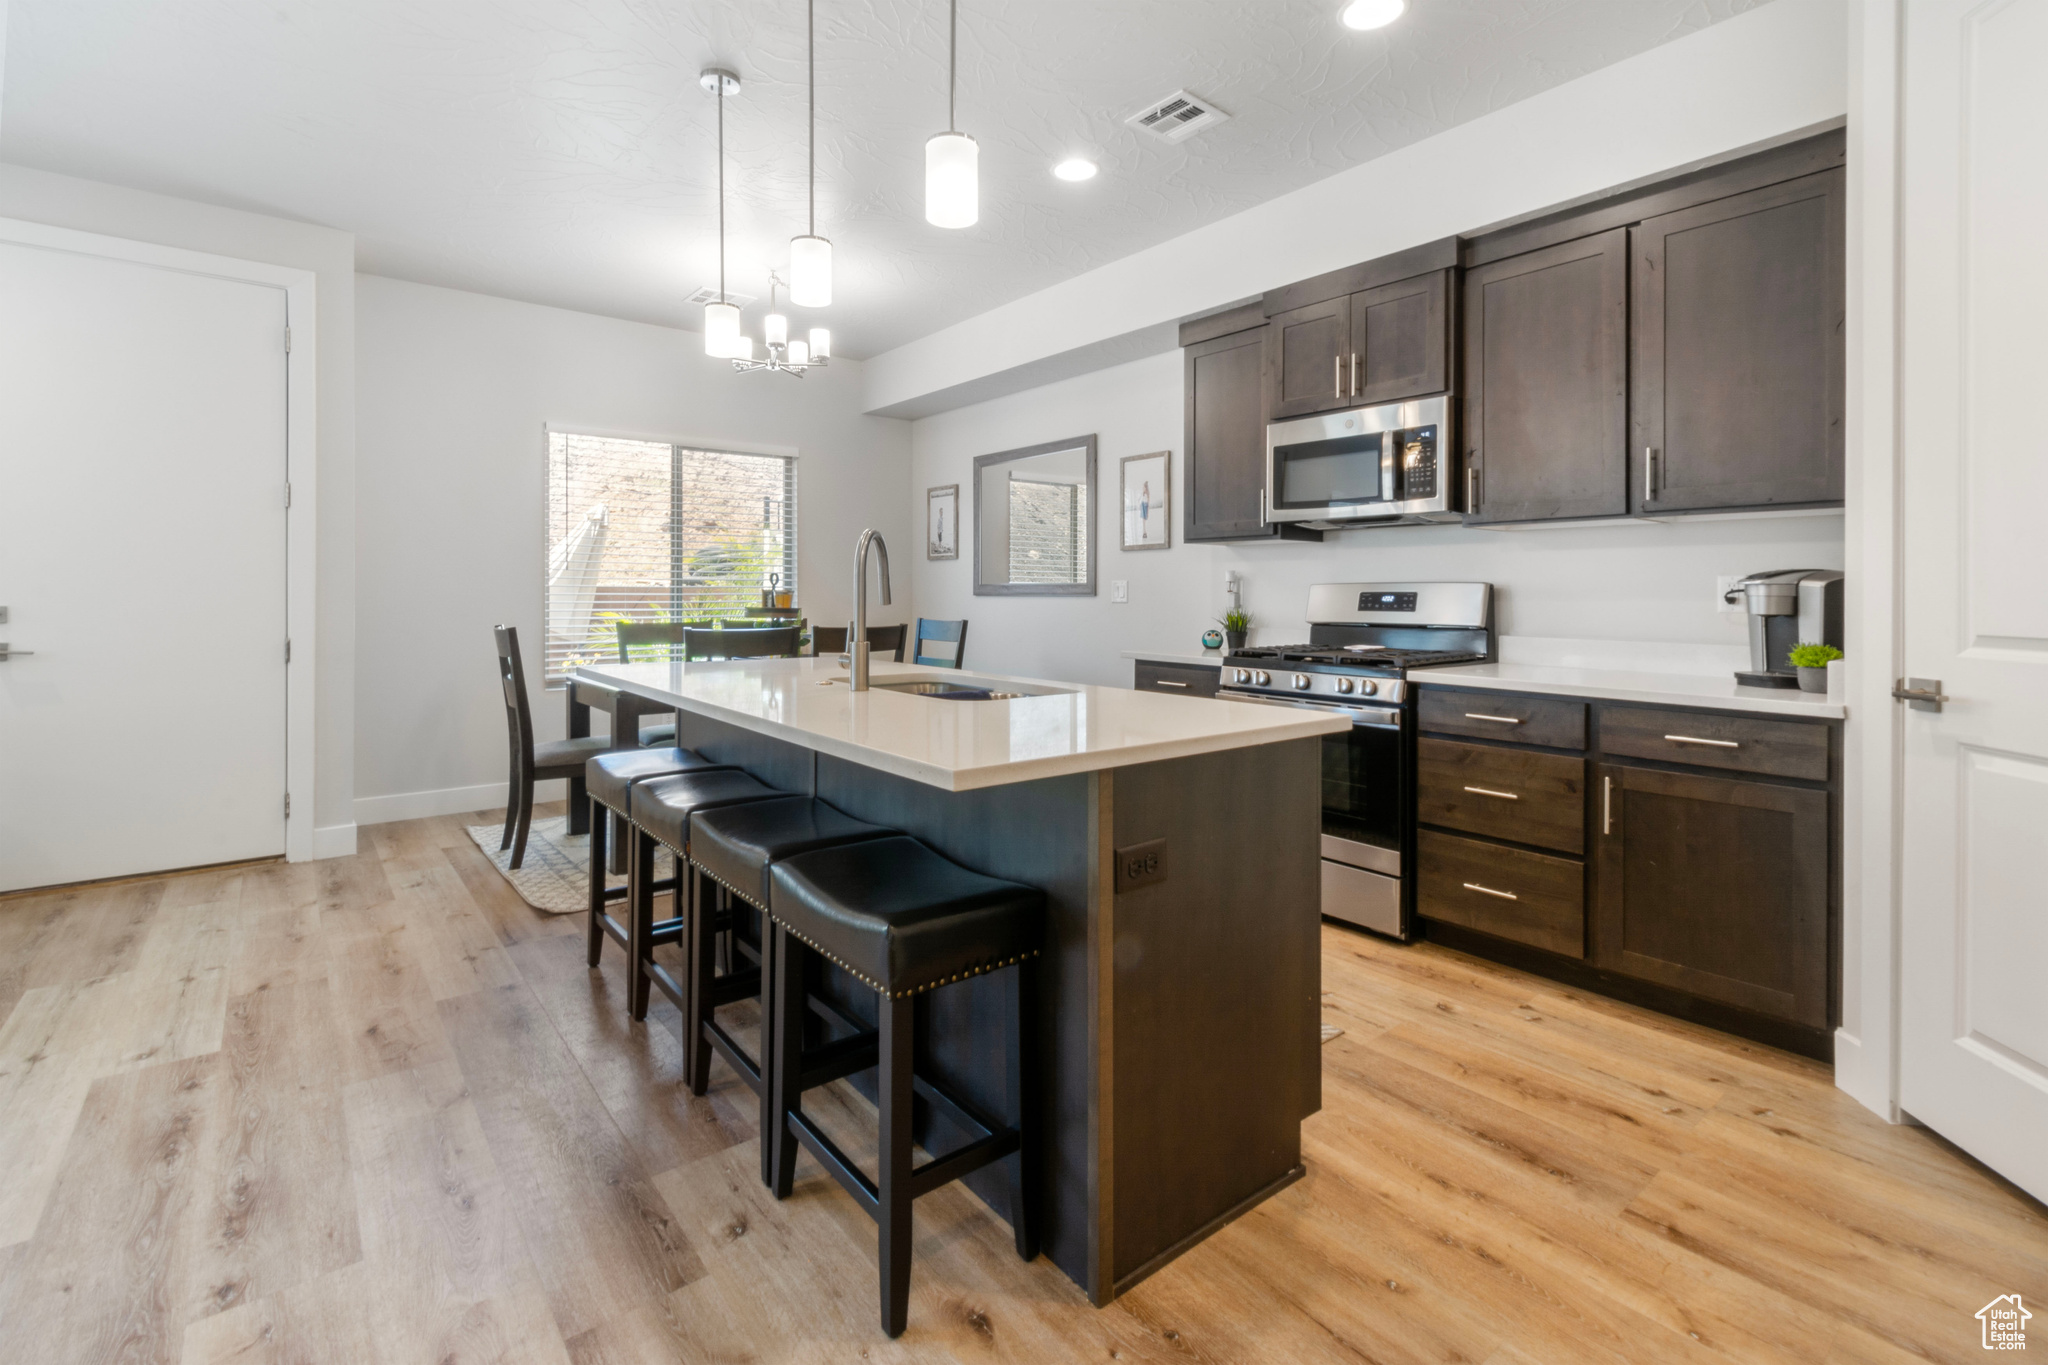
783,355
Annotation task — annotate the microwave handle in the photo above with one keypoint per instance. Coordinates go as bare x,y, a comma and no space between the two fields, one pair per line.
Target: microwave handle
1388,448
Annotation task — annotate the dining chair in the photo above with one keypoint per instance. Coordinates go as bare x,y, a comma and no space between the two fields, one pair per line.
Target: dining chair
533,761
759,642
670,633
941,632
881,640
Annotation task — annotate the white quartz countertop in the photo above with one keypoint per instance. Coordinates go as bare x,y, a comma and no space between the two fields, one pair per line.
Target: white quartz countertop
1208,658
1718,693
960,745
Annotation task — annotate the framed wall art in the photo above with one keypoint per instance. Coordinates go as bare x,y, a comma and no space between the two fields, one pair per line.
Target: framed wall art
1146,500
942,522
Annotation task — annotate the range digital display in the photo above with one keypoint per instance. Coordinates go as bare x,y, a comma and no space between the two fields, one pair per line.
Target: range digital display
1386,601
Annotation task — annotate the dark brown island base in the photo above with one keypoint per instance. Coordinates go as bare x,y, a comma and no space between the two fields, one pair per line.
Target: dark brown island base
1178,1003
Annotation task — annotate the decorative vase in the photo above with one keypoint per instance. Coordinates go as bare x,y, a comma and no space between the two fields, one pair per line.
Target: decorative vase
1235,638
1212,639
1813,679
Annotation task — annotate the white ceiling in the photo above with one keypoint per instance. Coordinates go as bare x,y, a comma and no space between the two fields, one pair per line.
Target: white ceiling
561,151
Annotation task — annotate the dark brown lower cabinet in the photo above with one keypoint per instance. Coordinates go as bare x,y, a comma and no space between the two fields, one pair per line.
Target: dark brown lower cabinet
1189,680
1715,886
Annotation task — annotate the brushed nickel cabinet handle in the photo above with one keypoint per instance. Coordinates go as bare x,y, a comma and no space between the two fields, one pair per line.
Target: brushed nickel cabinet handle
1500,720
1607,805
1649,473
1354,374
1488,791
1471,487
1489,891
1337,374
1161,682
1715,743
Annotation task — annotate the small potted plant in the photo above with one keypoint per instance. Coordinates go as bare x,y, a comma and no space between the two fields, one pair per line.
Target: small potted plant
1237,624
1812,662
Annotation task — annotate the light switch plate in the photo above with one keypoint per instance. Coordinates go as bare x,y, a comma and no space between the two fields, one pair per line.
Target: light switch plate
1119,590
1722,584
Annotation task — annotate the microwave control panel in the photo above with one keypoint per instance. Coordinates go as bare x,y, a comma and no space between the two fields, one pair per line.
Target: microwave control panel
1415,463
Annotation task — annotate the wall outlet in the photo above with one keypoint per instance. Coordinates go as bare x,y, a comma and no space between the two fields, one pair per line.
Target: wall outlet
1140,865
1119,590
1723,583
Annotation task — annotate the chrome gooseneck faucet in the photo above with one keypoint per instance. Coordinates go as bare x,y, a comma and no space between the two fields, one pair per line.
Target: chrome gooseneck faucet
857,641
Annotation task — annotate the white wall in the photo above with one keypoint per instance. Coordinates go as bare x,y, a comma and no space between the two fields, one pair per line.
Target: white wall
89,206
455,390
1764,74
1632,582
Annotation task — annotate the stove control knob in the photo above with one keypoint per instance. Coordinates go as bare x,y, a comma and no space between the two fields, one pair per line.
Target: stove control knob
1369,688
1301,682
1262,677
1238,675
1344,685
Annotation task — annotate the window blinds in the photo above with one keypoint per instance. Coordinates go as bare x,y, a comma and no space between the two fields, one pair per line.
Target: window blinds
647,531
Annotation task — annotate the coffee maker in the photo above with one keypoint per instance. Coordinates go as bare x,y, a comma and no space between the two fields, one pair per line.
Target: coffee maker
1787,607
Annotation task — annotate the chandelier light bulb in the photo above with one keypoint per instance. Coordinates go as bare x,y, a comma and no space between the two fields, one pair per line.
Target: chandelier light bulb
1367,14
799,352
951,191
821,343
744,349
721,329
775,329
810,272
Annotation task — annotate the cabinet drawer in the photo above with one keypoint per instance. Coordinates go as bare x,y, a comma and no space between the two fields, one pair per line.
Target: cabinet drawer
1704,739
1515,794
1512,716
1189,680
1528,897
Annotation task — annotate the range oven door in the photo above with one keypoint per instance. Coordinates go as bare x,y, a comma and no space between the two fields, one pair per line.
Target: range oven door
1363,798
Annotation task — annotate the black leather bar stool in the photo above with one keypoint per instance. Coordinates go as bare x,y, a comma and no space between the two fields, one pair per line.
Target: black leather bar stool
903,921
734,846
661,810
609,780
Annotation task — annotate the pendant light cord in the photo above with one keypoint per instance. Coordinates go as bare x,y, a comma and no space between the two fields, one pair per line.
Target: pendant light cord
721,188
811,43
952,60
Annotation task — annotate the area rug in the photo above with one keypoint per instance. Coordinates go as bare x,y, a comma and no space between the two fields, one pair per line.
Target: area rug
554,877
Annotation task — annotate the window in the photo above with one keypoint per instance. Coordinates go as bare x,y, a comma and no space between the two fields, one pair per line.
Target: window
1046,525
648,531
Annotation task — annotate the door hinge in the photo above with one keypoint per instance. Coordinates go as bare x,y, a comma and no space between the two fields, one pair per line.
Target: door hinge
287,805
287,651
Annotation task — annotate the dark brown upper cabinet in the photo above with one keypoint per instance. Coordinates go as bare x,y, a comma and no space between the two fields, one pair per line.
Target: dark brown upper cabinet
1737,330
1223,472
1378,345
1546,383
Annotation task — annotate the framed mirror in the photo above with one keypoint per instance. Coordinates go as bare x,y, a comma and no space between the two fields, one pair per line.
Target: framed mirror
1034,520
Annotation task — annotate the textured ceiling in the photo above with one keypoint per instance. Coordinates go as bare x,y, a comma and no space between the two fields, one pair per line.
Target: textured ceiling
561,151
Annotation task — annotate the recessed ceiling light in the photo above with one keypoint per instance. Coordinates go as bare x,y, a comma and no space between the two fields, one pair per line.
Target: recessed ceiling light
1373,13
1075,168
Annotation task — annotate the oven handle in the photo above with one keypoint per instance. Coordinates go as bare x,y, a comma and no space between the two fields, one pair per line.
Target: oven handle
1375,717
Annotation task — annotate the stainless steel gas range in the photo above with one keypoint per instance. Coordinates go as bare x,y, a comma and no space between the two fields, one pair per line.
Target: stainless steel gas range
1365,639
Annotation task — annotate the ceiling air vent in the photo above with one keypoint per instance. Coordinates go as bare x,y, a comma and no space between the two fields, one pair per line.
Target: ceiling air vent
1178,117
709,294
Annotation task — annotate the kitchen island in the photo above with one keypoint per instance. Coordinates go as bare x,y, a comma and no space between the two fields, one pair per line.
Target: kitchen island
1178,1007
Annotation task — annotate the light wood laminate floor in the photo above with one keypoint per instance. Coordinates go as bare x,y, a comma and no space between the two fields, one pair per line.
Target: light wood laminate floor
375,1109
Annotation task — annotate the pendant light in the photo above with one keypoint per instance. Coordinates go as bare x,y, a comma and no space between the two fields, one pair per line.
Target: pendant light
810,256
721,319
951,194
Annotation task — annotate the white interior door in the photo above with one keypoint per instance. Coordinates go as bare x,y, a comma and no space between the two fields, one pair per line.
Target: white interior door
1974,454
142,561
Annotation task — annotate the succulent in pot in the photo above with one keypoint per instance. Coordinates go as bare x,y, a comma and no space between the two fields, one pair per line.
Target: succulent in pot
1812,662
1237,625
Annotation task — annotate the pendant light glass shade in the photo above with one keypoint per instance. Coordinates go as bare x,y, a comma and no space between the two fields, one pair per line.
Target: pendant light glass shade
952,196
721,329
744,349
821,343
775,330
810,272
799,352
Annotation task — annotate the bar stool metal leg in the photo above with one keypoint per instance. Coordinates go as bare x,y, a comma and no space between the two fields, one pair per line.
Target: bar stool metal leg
640,935
898,1017
1023,1102
600,823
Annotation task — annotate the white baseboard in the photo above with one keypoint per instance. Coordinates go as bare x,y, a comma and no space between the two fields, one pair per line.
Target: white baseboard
1852,1076
334,841
382,810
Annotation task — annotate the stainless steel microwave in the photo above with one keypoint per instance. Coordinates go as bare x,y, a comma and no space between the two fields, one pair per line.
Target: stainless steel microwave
1367,466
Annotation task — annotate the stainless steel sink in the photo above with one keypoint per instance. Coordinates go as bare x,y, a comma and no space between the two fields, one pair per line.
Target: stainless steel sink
948,691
